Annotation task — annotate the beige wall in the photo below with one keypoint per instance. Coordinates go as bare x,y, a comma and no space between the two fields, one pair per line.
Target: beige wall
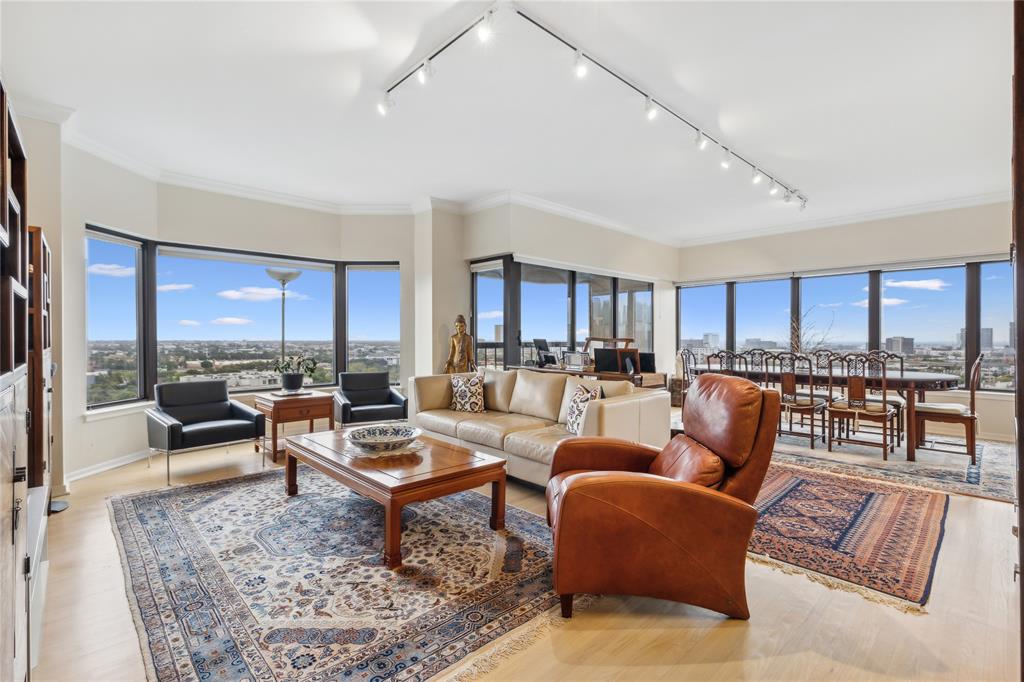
442,285
955,233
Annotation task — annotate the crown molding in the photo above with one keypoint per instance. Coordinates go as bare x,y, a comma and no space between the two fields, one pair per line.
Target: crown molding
29,107
424,204
72,136
852,218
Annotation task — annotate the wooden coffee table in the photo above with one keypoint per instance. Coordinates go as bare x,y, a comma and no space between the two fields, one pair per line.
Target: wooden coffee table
281,409
436,470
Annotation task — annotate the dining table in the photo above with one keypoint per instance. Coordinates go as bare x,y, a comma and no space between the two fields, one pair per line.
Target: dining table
909,384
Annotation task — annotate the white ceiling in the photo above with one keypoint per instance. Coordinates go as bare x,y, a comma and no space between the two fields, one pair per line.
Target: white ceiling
868,108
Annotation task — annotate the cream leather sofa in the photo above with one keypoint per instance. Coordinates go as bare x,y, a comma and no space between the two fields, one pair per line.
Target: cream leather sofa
524,420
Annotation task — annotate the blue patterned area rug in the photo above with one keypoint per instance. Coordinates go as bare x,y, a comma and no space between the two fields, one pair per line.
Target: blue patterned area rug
233,580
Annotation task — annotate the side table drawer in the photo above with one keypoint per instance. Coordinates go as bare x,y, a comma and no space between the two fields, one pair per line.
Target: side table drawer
300,412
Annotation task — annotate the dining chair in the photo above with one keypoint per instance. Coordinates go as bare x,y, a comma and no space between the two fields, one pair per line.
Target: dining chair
953,413
758,361
855,407
729,363
895,398
803,403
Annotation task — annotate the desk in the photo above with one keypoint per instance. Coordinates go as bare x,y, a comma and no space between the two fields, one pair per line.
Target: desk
641,380
910,385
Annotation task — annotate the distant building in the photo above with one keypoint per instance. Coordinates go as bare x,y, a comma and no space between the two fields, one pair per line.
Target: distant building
499,332
711,340
1013,335
986,338
961,338
904,345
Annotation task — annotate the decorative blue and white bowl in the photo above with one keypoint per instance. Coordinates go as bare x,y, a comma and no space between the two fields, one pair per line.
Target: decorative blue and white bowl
383,437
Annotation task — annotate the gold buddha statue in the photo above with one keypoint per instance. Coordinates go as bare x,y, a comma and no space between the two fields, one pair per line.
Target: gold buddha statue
460,350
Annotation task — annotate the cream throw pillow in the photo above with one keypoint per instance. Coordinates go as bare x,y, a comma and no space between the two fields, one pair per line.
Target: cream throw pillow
468,393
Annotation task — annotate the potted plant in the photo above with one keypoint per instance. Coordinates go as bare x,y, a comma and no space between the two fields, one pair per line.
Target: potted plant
293,368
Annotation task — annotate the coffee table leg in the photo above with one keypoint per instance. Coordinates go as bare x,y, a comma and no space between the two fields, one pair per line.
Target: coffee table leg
498,503
291,470
393,535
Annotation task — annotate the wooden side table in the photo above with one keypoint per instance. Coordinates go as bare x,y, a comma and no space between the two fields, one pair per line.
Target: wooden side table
281,409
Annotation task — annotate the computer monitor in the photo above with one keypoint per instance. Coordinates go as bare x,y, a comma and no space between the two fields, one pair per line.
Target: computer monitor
541,344
606,360
647,362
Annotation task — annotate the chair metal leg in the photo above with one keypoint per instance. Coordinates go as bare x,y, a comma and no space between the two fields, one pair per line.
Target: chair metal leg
168,467
149,459
263,453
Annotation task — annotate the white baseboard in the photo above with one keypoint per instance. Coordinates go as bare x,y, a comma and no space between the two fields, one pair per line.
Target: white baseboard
106,466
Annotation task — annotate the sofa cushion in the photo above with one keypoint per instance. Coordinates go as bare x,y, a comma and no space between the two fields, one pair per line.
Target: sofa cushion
686,460
467,393
537,445
442,421
372,413
498,385
538,394
217,431
491,430
609,389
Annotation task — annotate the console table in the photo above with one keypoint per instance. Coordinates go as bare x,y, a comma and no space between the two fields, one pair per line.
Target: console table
641,380
281,409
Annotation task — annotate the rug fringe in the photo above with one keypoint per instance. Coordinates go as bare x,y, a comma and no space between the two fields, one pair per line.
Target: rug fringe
487,659
839,584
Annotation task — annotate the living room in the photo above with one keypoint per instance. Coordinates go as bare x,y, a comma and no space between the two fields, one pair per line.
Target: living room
691,327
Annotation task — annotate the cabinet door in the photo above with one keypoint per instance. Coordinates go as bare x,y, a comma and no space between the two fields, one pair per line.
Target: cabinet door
8,561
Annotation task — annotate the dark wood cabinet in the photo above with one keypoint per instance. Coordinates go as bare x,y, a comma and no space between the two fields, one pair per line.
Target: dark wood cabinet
40,356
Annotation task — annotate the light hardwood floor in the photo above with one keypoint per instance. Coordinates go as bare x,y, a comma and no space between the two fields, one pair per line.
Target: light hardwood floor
798,629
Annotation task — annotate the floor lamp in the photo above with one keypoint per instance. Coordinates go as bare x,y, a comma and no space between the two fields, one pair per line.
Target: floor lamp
283,277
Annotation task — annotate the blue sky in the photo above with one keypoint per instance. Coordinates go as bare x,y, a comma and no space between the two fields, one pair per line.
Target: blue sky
200,299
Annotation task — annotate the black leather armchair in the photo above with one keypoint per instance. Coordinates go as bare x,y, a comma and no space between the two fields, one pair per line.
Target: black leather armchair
367,397
199,414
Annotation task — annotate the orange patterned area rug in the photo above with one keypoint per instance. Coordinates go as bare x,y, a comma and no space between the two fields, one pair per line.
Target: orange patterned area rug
875,538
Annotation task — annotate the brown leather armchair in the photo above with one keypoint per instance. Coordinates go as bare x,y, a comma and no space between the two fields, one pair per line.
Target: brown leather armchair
670,524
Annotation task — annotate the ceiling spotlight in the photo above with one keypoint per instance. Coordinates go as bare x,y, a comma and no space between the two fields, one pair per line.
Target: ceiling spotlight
385,105
581,65
425,72
788,196
756,177
803,202
701,141
773,188
726,159
485,29
650,109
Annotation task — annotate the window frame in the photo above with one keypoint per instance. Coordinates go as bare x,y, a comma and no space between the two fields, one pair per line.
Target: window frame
112,236
972,303
146,307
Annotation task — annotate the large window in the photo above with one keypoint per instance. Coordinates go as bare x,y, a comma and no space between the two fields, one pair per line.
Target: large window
834,313
593,307
702,318
636,313
489,314
762,315
219,317
374,319
112,308
923,318
997,327
544,309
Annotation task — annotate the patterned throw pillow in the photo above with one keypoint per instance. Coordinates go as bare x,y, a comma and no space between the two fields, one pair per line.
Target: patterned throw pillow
578,406
468,393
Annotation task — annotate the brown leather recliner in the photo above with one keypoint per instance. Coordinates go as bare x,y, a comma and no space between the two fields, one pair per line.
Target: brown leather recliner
671,524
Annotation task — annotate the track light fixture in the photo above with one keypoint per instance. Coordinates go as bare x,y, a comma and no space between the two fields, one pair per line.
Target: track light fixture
425,72
386,104
650,108
580,68
483,27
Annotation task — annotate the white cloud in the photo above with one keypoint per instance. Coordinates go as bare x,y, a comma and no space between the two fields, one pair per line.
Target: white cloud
992,277
582,334
922,284
174,287
491,315
231,321
830,305
111,270
885,301
188,323
258,294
